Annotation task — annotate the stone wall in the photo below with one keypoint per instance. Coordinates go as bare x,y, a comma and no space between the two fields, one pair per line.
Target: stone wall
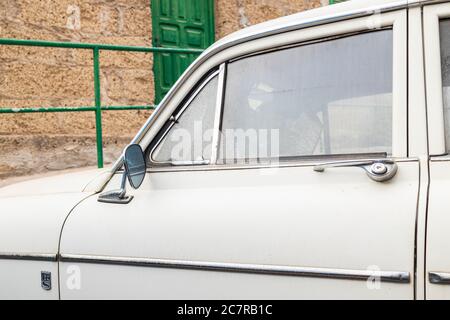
31,76
232,15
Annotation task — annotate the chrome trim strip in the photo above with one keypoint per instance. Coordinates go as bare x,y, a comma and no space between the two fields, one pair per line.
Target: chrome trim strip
218,115
439,158
280,165
439,277
385,276
29,256
403,4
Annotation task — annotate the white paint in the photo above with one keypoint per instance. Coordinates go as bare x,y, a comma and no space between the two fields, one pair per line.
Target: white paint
417,130
31,225
438,236
291,216
22,280
74,182
296,217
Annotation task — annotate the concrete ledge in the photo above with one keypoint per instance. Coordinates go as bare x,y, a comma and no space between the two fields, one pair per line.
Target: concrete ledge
33,154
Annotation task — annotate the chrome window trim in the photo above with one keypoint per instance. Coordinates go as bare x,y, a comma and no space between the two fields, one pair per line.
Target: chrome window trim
29,256
437,158
345,274
286,164
176,117
310,42
218,113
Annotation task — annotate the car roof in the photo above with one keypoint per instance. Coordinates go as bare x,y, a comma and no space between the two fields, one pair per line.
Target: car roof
346,8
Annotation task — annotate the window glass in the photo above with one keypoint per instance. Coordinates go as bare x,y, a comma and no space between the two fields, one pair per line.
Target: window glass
190,137
324,98
444,27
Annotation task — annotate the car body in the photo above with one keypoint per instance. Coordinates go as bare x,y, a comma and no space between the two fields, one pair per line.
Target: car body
350,203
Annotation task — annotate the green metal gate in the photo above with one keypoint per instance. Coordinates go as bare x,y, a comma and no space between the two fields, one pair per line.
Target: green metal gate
98,107
185,24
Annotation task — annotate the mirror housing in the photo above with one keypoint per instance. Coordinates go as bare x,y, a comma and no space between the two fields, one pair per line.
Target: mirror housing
134,169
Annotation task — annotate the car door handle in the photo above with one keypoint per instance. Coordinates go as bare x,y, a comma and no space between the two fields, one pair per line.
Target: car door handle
439,277
378,170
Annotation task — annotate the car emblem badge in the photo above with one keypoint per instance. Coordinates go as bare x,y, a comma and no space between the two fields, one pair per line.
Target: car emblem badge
46,280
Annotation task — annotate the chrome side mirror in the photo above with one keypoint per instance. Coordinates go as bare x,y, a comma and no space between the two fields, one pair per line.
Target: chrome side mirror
134,169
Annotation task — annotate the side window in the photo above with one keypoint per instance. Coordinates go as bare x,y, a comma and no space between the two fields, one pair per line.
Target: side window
324,98
190,134
444,31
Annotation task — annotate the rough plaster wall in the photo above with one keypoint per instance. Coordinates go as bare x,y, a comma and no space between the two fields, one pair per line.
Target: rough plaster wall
31,77
232,15
64,77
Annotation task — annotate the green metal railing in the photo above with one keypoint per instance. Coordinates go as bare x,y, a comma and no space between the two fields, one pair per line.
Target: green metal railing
97,108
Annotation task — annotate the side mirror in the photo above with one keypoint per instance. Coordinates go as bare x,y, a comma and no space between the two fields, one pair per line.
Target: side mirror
135,169
135,166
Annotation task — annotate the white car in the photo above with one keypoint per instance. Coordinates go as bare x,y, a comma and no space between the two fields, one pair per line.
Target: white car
305,157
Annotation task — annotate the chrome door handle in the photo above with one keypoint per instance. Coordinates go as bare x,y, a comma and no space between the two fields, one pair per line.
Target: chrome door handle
377,170
439,277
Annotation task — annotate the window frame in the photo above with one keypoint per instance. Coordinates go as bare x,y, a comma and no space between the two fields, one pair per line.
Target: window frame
395,20
330,156
432,15
177,114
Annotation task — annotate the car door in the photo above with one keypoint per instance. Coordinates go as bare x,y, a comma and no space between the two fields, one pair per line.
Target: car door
436,21
283,174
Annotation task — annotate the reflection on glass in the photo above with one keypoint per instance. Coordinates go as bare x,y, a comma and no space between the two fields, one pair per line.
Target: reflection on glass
444,27
330,97
191,137
135,165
